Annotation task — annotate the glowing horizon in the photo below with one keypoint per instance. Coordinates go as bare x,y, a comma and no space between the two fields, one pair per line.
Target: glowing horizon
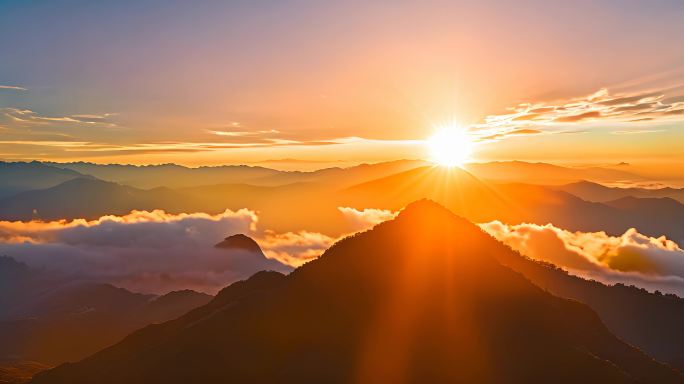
165,91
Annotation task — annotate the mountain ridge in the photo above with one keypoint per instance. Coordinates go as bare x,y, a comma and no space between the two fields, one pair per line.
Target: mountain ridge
372,309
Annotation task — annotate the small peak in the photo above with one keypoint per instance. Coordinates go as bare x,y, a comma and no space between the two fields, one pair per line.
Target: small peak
239,242
425,207
427,215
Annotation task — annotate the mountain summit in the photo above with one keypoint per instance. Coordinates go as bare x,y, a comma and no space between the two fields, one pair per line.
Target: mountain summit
239,242
419,299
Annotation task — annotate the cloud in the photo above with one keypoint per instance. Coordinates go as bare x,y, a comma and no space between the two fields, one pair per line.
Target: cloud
511,133
143,251
155,251
29,135
29,117
13,87
636,131
367,218
579,117
632,258
295,248
242,133
602,105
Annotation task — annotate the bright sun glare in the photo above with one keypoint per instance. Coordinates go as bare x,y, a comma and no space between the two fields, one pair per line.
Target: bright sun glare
450,146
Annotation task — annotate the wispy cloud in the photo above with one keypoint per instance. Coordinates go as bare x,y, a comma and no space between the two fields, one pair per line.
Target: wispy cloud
242,133
565,115
29,117
13,87
636,131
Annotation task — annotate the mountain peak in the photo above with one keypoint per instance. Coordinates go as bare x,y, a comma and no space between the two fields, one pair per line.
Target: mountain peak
427,207
421,298
239,242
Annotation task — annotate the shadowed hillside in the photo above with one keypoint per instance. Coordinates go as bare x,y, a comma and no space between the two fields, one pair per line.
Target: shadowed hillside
418,299
652,322
52,319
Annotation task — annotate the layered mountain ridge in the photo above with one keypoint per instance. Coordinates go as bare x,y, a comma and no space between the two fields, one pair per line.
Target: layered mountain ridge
421,298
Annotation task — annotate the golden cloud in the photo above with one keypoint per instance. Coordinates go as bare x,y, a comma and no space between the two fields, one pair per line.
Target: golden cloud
542,117
651,261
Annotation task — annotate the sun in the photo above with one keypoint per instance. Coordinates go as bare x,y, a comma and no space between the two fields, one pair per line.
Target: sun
450,146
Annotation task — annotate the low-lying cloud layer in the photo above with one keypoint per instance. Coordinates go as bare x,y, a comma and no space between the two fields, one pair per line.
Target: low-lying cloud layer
158,252
633,258
367,218
143,251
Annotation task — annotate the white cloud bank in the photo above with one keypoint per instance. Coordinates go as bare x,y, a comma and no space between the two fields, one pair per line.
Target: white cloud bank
157,251
632,258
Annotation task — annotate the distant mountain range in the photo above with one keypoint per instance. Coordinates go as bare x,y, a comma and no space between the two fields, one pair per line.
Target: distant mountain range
279,206
596,192
87,198
176,176
543,173
426,297
19,177
482,201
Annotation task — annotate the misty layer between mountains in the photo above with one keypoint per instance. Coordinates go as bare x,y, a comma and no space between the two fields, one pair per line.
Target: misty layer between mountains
295,216
159,252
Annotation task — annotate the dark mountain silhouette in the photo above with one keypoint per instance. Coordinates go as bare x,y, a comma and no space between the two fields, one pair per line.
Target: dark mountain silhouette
74,321
589,191
418,299
19,177
90,199
243,249
482,201
652,322
53,319
239,242
19,284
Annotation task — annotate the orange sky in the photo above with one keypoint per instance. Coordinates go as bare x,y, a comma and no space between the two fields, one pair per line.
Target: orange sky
341,83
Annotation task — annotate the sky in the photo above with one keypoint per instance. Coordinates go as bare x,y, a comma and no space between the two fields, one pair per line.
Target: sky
317,83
